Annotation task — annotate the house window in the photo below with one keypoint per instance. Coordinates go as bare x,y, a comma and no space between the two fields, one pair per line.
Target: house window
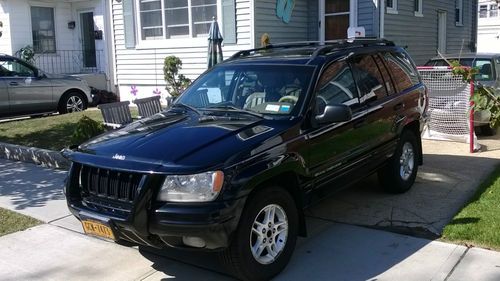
42,26
175,18
417,8
493,10
459,12
392,6
483,11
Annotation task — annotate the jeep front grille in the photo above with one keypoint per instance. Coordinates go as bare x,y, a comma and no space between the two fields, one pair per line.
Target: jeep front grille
109,184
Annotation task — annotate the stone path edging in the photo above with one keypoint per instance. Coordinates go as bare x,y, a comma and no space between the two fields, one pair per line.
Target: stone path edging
39,156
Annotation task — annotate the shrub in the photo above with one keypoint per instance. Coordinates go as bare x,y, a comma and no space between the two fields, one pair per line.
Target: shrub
86,128
176,83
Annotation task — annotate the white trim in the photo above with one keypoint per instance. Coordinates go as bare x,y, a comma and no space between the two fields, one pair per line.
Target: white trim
420,10
252,24
381,20
321,24
184,42
56,31
394,9
353,17
353,14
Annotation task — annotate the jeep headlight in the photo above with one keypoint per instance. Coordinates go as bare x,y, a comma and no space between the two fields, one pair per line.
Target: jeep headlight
192,188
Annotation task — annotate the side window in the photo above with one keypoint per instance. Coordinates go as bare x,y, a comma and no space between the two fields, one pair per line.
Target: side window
389,84
336,85
402,74
370,82
14,68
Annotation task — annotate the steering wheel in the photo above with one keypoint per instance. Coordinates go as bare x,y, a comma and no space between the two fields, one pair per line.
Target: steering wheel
289,99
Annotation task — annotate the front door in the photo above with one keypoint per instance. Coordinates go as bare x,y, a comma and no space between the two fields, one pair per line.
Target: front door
442,32
336,18
88,39
334,147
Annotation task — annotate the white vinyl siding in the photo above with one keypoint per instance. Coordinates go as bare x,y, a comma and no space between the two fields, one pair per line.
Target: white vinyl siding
143,65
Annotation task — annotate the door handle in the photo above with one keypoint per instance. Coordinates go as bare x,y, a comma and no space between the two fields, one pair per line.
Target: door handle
399,106
14,84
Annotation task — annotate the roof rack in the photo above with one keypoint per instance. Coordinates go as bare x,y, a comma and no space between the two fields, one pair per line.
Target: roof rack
328,46
338,44
245,53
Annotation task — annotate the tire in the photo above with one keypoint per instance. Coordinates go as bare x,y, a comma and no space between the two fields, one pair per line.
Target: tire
72,102
248,264
486,130
399,174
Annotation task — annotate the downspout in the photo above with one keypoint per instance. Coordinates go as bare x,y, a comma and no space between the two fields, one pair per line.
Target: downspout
381,8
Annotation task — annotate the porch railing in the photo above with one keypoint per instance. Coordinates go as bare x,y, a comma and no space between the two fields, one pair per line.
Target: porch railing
70,61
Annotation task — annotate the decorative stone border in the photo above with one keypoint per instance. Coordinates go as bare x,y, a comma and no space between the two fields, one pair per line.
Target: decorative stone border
43,157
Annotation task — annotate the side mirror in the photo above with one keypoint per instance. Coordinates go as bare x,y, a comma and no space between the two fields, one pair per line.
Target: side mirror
334,113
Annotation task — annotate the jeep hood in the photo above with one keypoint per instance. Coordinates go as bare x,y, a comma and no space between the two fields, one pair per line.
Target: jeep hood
176,140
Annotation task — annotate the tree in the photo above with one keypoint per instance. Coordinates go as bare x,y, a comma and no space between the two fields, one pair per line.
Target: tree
176,83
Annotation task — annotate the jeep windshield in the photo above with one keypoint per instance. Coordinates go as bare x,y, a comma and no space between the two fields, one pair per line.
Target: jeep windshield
270,90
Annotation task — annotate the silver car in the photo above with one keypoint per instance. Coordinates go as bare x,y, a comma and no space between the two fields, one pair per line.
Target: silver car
26,90
489,75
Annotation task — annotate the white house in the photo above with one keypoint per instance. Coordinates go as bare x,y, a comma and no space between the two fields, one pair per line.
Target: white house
132,37
146,31
488,29
68,36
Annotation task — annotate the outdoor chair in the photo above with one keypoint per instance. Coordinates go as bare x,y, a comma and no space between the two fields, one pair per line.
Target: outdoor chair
148,106
116,114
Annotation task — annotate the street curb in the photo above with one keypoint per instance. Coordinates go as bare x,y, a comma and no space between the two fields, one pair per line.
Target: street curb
39,156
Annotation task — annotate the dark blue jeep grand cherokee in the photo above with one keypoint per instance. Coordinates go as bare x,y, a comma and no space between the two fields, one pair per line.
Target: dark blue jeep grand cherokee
251,143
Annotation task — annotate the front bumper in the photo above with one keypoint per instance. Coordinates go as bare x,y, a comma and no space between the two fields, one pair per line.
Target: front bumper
145,221
171,225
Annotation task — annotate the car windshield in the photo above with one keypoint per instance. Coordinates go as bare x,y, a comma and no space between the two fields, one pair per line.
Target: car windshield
483,65
274,90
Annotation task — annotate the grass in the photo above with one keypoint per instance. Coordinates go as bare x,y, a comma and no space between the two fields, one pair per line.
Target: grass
478,223
51,132
11,222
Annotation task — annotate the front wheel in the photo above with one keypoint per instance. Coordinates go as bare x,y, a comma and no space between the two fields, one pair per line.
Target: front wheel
399,174
266,236
72,102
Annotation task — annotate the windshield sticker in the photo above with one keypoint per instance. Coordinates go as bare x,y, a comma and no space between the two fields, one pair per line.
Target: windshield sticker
273,107
284,108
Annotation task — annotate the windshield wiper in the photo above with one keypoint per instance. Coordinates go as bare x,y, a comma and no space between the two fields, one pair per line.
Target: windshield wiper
232,108
183,105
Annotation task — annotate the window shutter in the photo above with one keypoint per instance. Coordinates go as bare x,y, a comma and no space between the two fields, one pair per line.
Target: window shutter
128,23
229,21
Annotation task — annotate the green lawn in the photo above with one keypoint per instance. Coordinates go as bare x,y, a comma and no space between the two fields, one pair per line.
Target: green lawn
478,223
11,222
51,132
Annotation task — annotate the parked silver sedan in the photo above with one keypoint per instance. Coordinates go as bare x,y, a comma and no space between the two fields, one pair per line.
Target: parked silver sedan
26,90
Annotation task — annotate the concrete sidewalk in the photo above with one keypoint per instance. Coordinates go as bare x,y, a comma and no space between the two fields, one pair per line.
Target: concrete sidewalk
58,250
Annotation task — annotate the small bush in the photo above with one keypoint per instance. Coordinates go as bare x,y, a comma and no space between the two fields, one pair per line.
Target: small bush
86,128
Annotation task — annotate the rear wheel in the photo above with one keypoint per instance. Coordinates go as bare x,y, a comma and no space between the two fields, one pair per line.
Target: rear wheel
266,236
72,102
400,172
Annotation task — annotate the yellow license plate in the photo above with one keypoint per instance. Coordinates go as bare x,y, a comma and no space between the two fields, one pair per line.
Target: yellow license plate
98,229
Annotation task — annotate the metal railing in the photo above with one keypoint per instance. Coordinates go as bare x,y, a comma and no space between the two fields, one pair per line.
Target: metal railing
70,61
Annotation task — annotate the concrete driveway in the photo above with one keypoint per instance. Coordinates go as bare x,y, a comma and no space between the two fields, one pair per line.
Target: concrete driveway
334,250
